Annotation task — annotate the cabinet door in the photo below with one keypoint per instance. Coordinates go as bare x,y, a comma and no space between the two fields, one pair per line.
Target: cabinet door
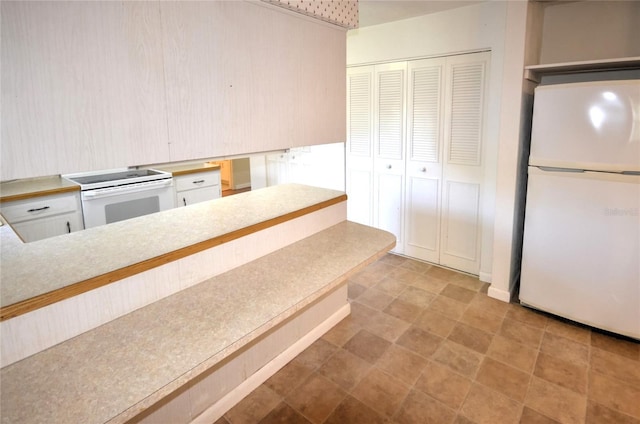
277,169
243,77
42,228
359,150
463,171
388,158
82,87
424,159
190,197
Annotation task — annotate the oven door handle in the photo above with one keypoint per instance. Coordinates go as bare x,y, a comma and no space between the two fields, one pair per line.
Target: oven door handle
126,189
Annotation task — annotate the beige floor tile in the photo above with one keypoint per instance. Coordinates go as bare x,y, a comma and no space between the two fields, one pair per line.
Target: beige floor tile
430,284
368,278
477,317
448,307
375,299
351,410
417,296
419,341
354,290
345,369
615,345
458,293
360,313
288,378
417,266
381,392
486,406
529,416
564,348
443,273
600,414
467,281
616,366
459,358
391,286
254,407
403,310
507,380
405,275
527,316
443,384
521,333
569,374
471,337
563,405
395,260
569,330
402,363
284,413
511,352
386,326
419,408
343,331
316,354
316,398
490,305
435,323
614,394
367,346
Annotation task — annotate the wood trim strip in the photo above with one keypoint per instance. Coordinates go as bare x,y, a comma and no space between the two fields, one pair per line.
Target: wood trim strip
45,299
34,194
195,170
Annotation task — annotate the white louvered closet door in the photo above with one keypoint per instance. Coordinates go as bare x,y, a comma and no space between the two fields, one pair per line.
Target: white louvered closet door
388,158
424,159
463,168
359,154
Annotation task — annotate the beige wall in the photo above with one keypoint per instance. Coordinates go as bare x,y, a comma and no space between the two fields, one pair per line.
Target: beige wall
590,30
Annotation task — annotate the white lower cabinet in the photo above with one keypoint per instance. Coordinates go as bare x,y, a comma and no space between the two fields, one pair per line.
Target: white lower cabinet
197,187
414,154
44,216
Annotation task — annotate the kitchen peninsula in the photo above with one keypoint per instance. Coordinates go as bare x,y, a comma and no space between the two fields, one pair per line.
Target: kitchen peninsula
287,251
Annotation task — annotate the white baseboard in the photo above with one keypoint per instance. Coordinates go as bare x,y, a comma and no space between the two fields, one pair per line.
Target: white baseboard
241,186
217,410
499,294
485,277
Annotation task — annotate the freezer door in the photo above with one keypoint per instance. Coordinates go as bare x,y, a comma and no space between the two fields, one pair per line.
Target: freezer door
593,125
581,250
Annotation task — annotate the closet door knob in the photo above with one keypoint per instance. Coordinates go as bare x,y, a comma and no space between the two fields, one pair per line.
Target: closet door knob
389,166
423,169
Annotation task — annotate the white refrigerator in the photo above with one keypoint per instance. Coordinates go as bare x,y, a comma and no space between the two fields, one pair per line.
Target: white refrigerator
581,243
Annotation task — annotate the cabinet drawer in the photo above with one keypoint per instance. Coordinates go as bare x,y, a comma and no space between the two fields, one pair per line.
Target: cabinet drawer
203,179
39,207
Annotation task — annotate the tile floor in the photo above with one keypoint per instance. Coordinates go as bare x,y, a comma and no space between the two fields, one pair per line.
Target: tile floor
426,345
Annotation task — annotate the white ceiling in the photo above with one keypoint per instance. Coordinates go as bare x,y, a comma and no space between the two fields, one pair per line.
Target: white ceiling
374,12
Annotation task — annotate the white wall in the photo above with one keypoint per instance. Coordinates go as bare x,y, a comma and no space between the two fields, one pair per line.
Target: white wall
589,30
472,28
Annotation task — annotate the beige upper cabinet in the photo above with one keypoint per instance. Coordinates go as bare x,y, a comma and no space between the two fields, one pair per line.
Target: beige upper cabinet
242,77
82,87
98,85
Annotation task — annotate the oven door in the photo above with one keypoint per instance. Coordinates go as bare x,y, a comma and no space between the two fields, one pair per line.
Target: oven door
106,205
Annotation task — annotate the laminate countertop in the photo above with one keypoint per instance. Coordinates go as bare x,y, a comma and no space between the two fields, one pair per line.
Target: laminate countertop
31,269
35,187
116,371
177,170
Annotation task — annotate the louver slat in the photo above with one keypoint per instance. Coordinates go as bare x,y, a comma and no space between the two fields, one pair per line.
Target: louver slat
390,114
425,125
360,118
466,114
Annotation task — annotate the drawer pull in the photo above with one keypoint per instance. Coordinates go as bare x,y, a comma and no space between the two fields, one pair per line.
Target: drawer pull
68,227
198,181
184,200
38,209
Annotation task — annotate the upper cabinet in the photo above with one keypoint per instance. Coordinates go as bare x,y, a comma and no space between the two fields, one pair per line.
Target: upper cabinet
242,77
82,87
98,85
